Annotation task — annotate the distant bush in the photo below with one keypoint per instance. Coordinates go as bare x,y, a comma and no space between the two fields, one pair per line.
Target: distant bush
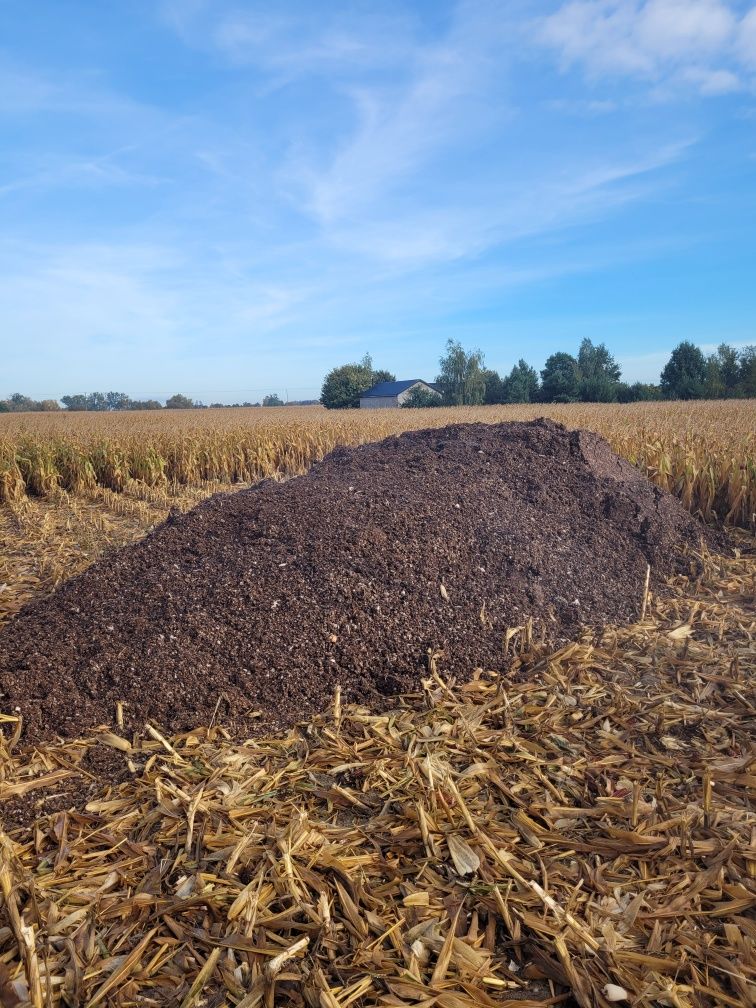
638,392
144,404
179,401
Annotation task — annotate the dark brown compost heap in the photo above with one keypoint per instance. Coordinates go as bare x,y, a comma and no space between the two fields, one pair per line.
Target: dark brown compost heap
252,607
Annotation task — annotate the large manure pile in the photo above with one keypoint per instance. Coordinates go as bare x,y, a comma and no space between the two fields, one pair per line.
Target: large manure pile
251,608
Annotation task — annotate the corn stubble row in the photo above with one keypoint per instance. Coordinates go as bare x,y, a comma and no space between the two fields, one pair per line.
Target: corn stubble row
704,452
578,828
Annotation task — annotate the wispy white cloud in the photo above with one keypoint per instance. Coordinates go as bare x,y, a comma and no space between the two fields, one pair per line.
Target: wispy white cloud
712,82
100,304
93,173
583,106
73,131
402,187
22,91
396,179
681,29
747,39
696,43
398,132
139,310
397,100
25,91
182,15
539,199
288,44
297,47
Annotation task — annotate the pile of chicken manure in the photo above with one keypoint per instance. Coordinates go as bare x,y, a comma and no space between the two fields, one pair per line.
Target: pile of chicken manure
430,547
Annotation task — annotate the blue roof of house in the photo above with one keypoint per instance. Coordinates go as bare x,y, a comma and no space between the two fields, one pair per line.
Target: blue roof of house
392,388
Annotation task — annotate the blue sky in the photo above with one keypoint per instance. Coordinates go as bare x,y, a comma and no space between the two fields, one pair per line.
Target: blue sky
216,197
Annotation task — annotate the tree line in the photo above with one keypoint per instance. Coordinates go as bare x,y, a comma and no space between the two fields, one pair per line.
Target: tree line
104,402
593,375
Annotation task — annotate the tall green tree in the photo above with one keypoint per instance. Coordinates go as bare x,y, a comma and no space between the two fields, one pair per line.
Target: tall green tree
117,401
714,386
747,377
343,386
462,378
495,387
599,373
684,374
97,402
729,367
521,384
560,379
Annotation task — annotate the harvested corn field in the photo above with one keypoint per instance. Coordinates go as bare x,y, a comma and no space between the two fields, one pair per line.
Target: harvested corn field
257,605
703,452
575,831
564,824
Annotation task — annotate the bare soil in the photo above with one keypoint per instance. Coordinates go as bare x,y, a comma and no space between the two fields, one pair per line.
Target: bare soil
252,607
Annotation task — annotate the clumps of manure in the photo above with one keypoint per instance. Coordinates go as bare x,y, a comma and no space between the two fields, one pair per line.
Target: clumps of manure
433,546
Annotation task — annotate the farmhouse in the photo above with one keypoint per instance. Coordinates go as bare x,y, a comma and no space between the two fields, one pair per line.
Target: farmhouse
393,393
